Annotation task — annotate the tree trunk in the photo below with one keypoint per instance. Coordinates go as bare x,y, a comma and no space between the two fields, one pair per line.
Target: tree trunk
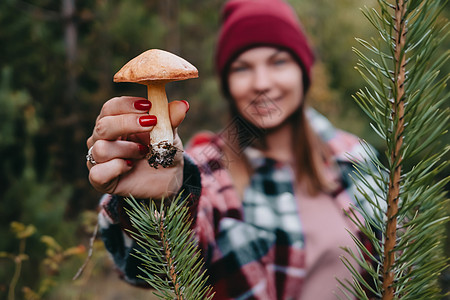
70,43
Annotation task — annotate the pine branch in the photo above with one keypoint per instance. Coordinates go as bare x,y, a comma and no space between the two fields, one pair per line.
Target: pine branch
403,199
171,261
398,117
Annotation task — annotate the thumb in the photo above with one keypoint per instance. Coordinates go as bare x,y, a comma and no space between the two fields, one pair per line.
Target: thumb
177,112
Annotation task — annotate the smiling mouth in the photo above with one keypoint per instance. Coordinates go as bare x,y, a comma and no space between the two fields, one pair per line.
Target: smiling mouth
265,106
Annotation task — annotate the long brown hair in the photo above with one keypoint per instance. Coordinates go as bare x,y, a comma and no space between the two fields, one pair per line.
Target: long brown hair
312,155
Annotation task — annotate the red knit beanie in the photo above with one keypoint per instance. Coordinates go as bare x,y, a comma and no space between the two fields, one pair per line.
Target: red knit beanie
250,23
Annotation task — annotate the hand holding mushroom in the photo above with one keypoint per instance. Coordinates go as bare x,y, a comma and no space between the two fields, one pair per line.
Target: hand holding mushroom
125,130
155,68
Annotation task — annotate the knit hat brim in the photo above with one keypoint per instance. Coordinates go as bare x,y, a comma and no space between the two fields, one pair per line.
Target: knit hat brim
249,23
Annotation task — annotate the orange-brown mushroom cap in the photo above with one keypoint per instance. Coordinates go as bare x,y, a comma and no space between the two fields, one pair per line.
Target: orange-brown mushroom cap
156,65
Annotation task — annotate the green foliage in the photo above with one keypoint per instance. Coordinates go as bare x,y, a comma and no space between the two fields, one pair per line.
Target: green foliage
28,194
171,260
54,260
21,232
11,105
332,26
405,101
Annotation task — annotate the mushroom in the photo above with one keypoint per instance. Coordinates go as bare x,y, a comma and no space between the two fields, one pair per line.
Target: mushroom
154,68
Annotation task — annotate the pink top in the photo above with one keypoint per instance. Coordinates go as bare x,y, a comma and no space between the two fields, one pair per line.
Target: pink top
325,230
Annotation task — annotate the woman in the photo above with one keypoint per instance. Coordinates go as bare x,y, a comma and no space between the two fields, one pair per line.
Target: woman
268,193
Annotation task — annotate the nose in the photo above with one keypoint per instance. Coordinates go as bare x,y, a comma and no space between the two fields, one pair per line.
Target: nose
262,80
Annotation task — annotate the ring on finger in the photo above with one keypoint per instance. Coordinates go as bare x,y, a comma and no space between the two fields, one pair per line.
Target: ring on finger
90,158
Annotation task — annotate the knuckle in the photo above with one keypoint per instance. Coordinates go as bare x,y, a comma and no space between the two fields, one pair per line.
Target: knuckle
101,147
89,142
101,128
97,178
93,176
106,107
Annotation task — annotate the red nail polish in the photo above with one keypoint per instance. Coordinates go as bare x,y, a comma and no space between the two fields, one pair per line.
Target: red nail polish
143,105
143,149
147,121
187,105
129,162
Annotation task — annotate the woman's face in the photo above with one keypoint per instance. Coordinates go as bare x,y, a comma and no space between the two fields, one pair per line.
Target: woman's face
266,85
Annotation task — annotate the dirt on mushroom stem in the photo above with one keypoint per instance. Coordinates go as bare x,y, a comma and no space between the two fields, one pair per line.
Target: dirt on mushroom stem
161,154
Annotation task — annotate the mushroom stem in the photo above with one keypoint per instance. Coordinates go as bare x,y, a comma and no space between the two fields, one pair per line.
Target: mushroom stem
163,130
162,151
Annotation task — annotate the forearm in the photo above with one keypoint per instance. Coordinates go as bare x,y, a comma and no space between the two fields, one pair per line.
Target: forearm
120,246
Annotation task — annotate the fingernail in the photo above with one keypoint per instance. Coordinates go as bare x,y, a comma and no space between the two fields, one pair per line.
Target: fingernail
129,162
187,105
143,105
147,121
143,149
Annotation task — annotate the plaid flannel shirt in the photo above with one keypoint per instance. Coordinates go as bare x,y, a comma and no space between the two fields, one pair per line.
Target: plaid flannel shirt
253,247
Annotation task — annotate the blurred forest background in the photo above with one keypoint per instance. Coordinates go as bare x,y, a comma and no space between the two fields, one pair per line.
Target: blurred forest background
57,60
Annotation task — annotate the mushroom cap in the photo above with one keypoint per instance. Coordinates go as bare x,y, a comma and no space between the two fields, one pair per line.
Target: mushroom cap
156,65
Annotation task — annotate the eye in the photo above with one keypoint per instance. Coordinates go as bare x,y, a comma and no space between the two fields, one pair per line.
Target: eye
281,58
238,68
280,61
